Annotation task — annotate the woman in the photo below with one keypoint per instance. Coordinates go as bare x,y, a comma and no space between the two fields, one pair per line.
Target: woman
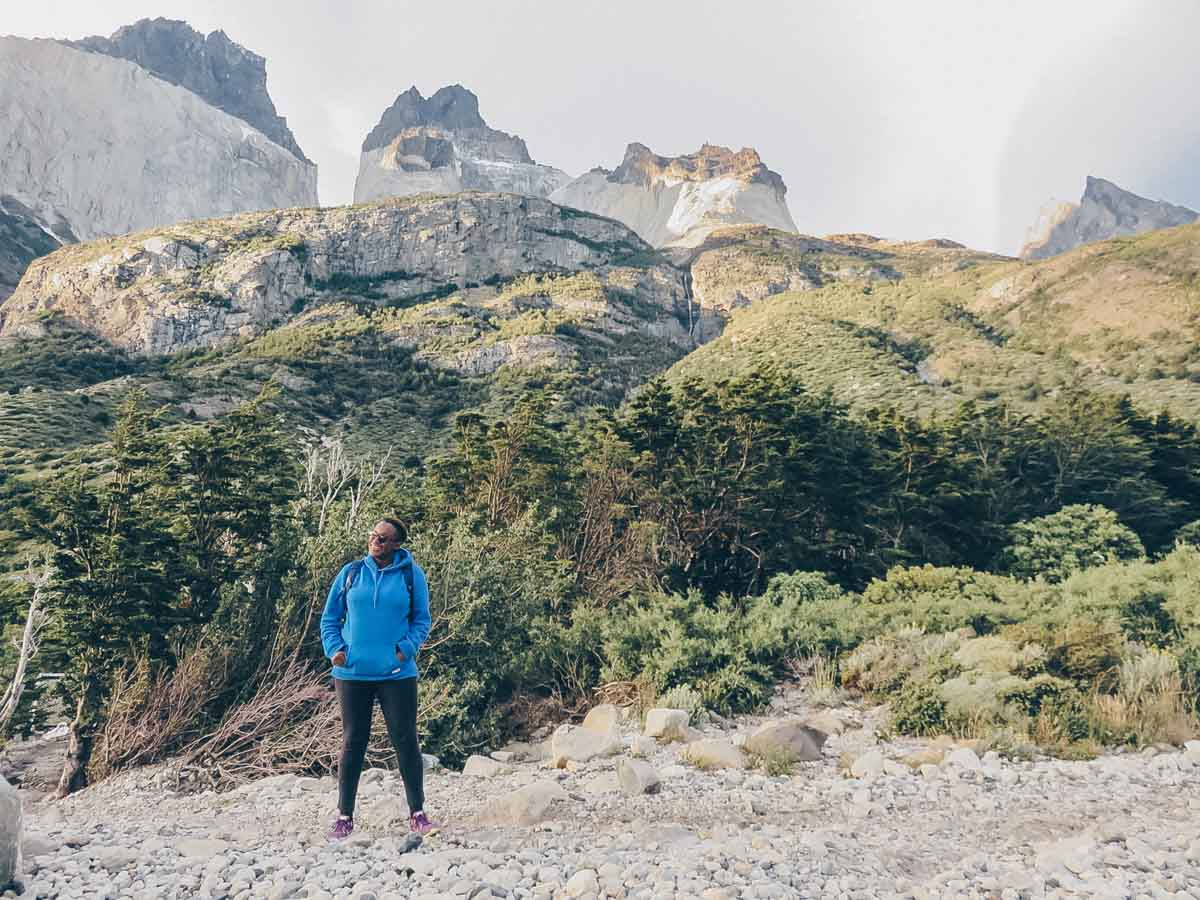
375,620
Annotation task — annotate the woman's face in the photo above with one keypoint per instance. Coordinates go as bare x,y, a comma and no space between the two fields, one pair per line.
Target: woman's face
382,542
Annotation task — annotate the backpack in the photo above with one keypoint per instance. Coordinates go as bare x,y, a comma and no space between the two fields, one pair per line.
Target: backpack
356,570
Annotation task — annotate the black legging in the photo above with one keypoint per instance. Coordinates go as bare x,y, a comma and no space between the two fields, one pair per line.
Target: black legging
398,700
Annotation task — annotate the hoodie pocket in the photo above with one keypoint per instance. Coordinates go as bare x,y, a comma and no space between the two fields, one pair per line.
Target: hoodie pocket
371,659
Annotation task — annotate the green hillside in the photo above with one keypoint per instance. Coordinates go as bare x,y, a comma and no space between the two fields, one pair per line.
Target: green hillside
1116,317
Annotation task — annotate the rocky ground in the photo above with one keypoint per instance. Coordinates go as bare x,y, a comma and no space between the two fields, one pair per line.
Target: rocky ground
869,818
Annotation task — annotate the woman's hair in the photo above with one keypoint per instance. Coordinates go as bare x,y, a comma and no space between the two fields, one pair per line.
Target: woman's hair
401,531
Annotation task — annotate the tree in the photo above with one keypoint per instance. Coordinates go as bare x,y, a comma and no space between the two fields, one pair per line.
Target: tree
116,583
1076,537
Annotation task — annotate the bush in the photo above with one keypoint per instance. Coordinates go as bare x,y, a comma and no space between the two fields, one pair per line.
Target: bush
1074,538
679,639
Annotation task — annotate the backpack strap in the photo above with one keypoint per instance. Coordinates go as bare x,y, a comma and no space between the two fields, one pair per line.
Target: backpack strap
356,570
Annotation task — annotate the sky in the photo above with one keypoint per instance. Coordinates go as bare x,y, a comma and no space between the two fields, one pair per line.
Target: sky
912,120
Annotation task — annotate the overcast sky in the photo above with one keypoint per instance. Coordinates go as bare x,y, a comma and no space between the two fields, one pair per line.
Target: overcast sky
915,119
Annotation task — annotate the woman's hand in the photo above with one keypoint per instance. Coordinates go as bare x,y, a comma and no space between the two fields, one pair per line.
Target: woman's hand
400,655
339,658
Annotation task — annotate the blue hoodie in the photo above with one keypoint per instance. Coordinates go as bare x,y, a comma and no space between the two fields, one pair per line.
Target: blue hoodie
373,622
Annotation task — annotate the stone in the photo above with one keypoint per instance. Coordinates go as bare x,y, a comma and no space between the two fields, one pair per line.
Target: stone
867,765
201,848
637,777
714,753
572,743
582,883
523,807
604,719
964,758
667,724
826,722
11,824
791,736
482,767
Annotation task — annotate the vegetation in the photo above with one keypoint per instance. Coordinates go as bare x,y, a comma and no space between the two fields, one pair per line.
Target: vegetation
895,491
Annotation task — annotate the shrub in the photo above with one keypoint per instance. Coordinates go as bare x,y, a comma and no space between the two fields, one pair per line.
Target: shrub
1074,538
680,639
684,697
918,708
1189,534
941,599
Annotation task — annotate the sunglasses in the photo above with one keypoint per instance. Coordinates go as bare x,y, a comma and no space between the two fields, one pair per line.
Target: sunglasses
378,538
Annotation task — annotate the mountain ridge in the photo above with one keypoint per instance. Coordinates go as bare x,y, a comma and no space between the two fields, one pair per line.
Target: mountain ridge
215,68
1104,211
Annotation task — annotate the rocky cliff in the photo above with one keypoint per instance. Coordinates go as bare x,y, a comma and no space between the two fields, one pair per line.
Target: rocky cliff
1105,211
205,283
678,201
225,74
96,146
442,145
24,237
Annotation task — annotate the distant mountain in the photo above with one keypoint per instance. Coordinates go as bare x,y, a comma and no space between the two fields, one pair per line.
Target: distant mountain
1105,211
442,145
678,201
95,145
213,67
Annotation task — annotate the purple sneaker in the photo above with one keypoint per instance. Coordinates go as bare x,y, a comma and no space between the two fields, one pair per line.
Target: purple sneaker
341,829
419,822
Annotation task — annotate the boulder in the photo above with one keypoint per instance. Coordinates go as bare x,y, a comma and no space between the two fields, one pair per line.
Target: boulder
572,743
964,758
667,724
826,722
482,767
583,883
525,806
714,753
10,832
603,718
791,736
637,777
868,765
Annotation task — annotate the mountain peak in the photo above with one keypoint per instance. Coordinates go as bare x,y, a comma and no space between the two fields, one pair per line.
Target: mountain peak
215,68
642,166
1105,211
453,108
442,145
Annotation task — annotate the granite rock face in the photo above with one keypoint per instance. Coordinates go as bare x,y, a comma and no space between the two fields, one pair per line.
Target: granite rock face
204,283
223,73
23,237
96,146
1105,211
679,201
442,145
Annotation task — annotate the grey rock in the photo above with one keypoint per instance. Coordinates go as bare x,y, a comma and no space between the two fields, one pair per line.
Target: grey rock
637,777
792,737
11,825
1104,211
224,73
